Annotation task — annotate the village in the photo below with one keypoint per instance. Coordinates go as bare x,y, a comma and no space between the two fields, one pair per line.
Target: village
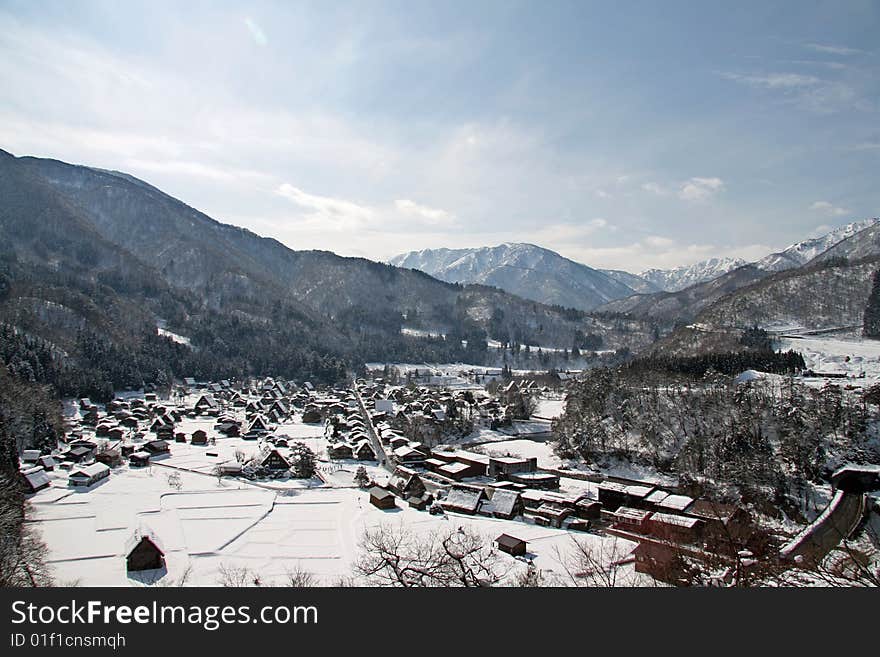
272,476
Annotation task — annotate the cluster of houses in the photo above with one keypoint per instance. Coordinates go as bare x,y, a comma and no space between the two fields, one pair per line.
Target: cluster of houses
141,429
401,428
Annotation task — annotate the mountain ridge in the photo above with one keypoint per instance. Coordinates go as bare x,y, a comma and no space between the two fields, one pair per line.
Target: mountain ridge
527,270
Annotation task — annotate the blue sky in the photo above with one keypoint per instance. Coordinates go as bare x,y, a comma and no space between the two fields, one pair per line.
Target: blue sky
625,134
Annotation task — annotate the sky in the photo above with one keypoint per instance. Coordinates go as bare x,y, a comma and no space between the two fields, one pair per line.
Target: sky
623,135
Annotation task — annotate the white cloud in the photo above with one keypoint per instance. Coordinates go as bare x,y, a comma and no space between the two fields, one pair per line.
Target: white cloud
700,189
195,169
820,230
828,209
428,215
327,212
660,252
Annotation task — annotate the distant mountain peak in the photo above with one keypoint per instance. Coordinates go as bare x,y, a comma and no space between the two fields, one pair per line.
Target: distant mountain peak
528,270
678,278
802,252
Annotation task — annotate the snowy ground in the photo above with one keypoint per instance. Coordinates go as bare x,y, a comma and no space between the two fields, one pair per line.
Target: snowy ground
270,527
850,355
550,408
205,527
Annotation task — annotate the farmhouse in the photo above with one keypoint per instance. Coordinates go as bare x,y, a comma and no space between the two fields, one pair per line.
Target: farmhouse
381,498
502,466
340,450
630,519
363,451
35,479
206,403
511,545
406,454
30,456
144,552
139,459
554,513
199,437
109,457
406,483
478,464
274,461
464,499
88,475
613,494
230,469
157,447
504,504
545,480
669,527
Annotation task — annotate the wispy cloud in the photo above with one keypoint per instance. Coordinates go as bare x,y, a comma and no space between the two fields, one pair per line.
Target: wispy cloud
700,189
256,32
655,188
331,213
196,169
867,146
774,80
833,49
828,209
427,214
338,214
809,92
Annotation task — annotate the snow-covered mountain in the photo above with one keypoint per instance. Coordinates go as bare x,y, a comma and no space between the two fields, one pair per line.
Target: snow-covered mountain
637,283
801,253
673,280
526,270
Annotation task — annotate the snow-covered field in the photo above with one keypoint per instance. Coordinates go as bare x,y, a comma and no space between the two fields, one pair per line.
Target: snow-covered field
850,355
205,527
270,527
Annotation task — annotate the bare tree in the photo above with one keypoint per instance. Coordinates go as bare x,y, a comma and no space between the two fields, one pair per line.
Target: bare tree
22,552
174,480
237,576
593,564
394,556
300,578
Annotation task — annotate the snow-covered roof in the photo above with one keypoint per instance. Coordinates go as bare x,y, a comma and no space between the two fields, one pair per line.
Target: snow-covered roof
141,532
89,470
676,502
460,497
504,501
30,455
657,496
750,375
629,513
36,477
454,468
678,521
